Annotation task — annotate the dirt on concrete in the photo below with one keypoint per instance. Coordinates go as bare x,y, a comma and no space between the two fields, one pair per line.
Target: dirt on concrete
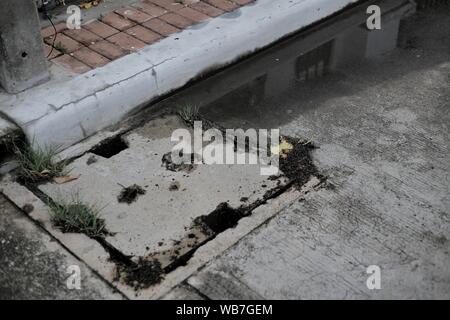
298,166
34,266
175,167
142,274
130,194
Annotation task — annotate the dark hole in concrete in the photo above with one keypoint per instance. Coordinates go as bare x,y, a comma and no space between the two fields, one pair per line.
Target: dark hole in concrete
110,147
4,153
4,150
7,147
222,218
24,54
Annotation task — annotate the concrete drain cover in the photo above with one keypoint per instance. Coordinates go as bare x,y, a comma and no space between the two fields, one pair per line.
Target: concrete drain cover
160,219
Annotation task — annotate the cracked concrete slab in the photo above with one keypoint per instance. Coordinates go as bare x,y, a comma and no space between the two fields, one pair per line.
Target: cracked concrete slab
157,220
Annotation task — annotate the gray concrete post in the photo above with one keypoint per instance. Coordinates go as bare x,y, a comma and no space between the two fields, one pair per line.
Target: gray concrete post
22,60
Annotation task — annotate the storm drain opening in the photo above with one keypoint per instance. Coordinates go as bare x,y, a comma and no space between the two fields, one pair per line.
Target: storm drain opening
8,145
110,147
5,154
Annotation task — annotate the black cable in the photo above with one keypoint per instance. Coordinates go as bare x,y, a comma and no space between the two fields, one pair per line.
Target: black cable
44,11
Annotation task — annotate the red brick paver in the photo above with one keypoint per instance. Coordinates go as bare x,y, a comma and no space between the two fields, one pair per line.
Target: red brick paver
192,14
48,52
161,27
83,36
133,14
207,9
127,29
90,58
170,5
146,35
64,43
117,21
101,29
127,42
49,31
108,49
177,20
224,5
71,63
149,8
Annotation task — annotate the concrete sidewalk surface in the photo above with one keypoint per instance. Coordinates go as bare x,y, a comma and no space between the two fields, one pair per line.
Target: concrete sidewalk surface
34,266
378,195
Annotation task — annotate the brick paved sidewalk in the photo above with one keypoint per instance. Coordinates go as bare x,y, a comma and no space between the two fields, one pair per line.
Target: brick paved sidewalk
126,30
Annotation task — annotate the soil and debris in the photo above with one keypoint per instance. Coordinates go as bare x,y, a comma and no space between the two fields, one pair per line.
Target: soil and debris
142,274
130,194
174,186
28,208
91,160
222,218
175,167
297,164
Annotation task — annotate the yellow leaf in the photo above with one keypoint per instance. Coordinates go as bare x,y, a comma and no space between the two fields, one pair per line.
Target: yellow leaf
86,5
283,148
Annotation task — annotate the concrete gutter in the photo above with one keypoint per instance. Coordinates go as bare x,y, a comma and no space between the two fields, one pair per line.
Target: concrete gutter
8,131
66,112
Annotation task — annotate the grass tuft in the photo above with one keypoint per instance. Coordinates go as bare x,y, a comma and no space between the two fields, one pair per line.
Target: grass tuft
77,217
189,114
60,47
37,164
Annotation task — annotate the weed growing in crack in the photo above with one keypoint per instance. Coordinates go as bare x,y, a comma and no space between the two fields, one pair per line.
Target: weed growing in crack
78,217
60,47
37,164
189,114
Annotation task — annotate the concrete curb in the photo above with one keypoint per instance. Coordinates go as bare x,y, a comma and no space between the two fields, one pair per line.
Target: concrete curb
64,113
